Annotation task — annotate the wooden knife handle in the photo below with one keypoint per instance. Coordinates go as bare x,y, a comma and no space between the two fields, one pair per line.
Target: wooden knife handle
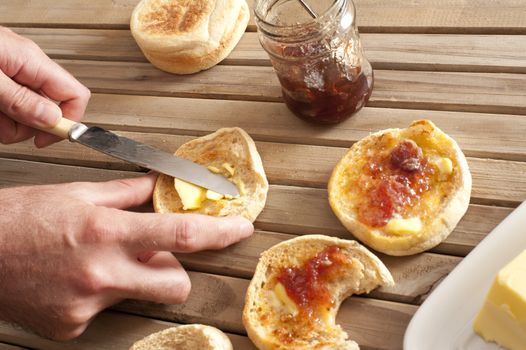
66,129
62,128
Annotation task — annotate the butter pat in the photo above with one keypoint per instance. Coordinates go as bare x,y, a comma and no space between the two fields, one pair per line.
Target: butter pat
213,196
213,169
285,300
228,167
502,318
404,226
240,186
444,166
191,195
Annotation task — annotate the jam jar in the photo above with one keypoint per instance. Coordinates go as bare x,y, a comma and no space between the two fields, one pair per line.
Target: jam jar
315,49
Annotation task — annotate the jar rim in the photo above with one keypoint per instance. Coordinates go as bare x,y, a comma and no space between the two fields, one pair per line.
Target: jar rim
292,29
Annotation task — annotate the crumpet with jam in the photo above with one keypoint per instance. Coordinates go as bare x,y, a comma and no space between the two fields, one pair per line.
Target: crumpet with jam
402,191
298,286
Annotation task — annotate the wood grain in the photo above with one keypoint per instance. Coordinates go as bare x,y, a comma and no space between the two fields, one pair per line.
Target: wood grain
415,276
487,53
282,212
222,82
458,63
494,181
479,135
424,16
218,301
110,330
470,92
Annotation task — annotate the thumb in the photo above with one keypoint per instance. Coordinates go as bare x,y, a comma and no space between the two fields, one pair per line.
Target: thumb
26,106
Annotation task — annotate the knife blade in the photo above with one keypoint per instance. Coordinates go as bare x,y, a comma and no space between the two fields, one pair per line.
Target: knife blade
143,155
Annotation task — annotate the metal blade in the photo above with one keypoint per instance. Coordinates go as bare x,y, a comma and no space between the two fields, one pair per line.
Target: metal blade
146,156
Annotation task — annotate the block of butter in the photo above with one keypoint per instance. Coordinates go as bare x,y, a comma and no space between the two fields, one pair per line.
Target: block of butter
502,318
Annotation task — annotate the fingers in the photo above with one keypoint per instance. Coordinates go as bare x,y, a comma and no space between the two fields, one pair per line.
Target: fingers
145,256
141,232
42,74
27,74
161,280
28,65
26,106
12,132
119,194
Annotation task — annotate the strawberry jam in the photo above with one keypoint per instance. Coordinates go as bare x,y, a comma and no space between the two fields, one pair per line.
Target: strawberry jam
307,285
398,179
319,59
326,94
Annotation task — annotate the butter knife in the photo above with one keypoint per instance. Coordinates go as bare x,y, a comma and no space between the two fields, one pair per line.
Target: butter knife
143,155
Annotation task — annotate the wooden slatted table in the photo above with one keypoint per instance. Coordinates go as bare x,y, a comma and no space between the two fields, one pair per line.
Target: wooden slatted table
461,64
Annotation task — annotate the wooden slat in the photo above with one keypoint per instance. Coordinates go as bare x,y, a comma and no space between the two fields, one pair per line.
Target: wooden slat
487,53
484,16
110,330
222,82
282,212
446,52
415,276
218,300
74,13
475,92
446,16
479,135
494,181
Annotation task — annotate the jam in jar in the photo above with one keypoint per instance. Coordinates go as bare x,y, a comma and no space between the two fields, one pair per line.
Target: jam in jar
317,55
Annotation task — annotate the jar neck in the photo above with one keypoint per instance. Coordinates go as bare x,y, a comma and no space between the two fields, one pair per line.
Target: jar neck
341,12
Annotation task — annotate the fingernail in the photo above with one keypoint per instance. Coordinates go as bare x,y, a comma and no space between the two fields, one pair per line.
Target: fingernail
47,114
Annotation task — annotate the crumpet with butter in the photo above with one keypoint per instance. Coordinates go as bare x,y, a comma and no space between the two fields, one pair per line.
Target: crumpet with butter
230,152
402,191
298,286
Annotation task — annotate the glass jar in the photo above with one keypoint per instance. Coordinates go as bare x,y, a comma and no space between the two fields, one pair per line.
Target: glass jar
316,52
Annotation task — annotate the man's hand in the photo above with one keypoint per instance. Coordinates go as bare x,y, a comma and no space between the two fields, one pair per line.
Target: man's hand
69,251
27,75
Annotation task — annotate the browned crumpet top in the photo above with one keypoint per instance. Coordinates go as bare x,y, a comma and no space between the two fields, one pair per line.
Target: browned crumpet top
176,16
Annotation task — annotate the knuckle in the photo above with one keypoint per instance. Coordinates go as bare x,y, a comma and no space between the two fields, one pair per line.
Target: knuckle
20,98
75,317
226,239
185,235
96,228
125,185
91,280
80,190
